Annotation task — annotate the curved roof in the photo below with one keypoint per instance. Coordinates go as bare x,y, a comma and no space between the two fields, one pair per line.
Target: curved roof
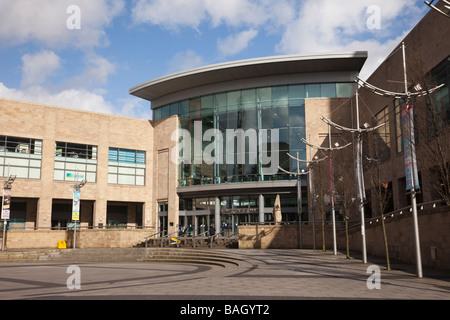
251,68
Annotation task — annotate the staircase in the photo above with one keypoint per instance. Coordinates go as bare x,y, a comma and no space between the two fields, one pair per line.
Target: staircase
191,242
171,255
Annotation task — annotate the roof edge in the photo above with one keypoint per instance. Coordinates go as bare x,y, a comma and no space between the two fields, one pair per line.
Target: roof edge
247,62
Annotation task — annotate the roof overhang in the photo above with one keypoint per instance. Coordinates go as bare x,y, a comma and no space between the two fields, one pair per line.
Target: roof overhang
251,68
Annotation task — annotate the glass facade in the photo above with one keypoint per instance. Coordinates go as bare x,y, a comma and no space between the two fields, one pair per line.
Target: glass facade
126,167
251,111
21,157
75,162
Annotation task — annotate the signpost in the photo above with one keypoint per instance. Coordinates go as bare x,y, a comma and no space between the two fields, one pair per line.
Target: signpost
75,213
76,208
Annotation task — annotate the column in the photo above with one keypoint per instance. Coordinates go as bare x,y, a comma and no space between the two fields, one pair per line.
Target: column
261,208
100,207
217,214
44,213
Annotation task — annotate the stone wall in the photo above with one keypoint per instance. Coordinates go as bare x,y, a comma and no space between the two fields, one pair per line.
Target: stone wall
90,238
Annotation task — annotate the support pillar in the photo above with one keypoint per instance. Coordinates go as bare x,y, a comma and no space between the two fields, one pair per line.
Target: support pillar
217,214
261,208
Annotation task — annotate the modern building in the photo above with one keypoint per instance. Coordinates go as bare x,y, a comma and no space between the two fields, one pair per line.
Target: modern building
134,178
217,150
229,116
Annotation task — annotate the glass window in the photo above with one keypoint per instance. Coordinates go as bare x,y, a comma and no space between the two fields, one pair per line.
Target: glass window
233,100
284,139
126,166
195,108
249,99
296,95
173,109
220,100
266,118
344,90
207,102
280,96
297,115
250,119
328,90
165,111
184,107
312,90
75,162
157,113
383,143
265,97
280,117
295,138
20,157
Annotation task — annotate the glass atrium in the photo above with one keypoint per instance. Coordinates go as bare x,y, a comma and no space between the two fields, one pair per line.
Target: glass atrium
276,107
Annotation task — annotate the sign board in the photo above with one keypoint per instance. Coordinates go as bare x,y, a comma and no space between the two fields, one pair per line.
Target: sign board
6,205
76,206
239,211
409,148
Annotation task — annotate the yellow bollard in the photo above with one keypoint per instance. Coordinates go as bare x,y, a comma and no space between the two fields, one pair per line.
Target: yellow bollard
61,245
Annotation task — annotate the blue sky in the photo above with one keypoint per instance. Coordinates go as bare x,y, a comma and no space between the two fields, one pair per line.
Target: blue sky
120,44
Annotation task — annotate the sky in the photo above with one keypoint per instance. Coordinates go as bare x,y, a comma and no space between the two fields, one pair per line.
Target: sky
87,54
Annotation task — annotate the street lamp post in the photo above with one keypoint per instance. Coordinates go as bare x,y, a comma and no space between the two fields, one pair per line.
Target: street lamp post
299,191
330,150
406,96
299,195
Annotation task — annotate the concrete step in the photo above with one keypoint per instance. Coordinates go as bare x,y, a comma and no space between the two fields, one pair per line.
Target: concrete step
221,243
172,255
28,255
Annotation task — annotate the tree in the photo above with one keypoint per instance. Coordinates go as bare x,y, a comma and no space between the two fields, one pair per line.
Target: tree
382,192
320,182
344,184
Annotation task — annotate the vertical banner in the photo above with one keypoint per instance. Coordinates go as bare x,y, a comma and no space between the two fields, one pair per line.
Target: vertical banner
360,187
6,205
409,148
76,206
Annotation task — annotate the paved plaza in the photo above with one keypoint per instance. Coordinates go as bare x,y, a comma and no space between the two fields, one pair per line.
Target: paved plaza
260,275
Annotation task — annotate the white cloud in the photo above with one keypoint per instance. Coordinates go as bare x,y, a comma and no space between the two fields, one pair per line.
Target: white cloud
36,68
235,43
81,92
44,21
340,25
135,108
169,14
71,98
174,14
185,60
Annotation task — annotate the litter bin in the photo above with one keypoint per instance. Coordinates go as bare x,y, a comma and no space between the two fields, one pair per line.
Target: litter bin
61,245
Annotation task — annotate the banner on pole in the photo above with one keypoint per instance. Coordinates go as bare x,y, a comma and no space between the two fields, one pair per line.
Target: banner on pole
76,206
411,173
6,205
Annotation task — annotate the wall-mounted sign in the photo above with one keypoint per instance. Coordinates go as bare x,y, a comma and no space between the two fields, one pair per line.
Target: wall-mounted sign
239,211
